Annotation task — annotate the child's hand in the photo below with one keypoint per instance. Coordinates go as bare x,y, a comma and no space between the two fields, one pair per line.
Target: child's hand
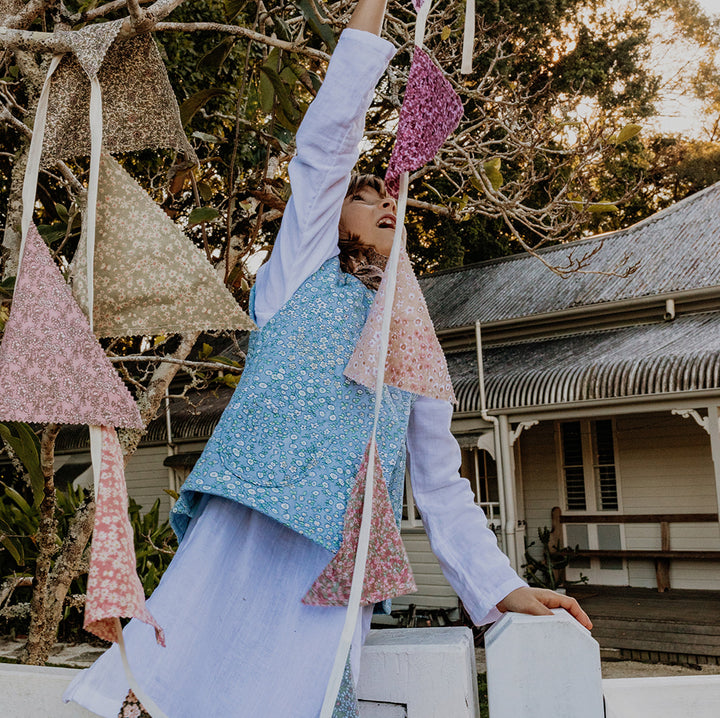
539,601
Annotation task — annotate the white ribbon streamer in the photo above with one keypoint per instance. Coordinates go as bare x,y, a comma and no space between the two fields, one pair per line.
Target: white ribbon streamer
358,579
421,21
32,169
148,703
96,134
468,38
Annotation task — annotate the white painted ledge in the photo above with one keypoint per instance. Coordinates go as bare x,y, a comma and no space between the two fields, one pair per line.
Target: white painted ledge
36,692
405,673
543,667
690,696
431,671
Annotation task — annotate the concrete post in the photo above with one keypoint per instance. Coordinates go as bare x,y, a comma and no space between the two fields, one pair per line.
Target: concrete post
543,667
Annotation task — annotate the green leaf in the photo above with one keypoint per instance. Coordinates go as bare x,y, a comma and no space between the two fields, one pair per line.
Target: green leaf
231,380
205,137
62,212
12,548
26,446
173,494
233,8
309,12
445,33
492,171
205,190
52,233
215,59
202,214
198,100
267,93
23,505
284,95
627,133
7,286
598,207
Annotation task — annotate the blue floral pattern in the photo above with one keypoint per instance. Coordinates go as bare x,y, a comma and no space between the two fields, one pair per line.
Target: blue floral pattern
292,439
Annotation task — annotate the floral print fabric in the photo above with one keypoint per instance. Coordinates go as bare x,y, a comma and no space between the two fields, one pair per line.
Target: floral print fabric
430,112
139,106
292,438
387,572
149,277
52,368
415,361
132,708
114,589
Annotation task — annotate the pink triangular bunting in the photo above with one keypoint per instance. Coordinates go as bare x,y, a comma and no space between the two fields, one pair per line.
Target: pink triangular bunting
52,368
387,573
430,112
415,359
114,589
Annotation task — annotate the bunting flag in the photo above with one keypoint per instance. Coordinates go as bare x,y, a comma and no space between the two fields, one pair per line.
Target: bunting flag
415,360
387,571
149,277
52,368
114,589
139,109
430,112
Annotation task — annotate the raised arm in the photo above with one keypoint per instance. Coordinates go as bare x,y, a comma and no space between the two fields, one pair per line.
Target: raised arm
327,150
465,547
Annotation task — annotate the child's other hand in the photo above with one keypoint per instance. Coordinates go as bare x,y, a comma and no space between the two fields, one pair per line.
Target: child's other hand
539,601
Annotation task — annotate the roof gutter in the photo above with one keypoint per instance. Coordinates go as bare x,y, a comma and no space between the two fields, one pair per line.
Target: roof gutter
613,311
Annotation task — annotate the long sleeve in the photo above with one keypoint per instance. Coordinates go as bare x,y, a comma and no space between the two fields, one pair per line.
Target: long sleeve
466,548
327,150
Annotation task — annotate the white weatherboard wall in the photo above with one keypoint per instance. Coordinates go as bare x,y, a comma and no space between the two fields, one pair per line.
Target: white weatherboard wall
667,468
433,589
664,466
543,667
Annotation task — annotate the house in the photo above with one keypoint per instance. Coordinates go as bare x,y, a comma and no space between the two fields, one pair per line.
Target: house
594,394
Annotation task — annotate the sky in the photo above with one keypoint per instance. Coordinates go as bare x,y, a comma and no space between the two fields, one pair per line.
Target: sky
681,113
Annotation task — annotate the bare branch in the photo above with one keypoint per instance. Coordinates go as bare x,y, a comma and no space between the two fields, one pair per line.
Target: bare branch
140,358
241,32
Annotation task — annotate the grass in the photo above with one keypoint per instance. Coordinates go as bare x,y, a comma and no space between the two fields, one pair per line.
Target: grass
482,695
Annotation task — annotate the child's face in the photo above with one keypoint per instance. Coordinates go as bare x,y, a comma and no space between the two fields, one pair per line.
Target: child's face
370,216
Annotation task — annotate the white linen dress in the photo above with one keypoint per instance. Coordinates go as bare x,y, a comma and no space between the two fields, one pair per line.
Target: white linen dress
240,642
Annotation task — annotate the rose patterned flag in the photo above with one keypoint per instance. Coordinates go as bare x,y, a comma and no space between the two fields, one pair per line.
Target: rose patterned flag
387,572
415,360
52,368
139,106
149,277
430,112
114,589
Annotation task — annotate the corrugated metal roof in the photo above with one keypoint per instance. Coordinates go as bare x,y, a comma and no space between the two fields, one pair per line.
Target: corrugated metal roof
677,249
678,356
192,418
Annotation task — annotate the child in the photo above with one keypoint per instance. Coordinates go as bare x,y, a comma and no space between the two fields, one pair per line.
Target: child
261,514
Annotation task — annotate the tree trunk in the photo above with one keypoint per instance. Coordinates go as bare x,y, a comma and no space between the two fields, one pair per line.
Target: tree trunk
38,647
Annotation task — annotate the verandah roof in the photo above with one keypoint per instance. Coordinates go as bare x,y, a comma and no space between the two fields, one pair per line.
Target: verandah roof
682,355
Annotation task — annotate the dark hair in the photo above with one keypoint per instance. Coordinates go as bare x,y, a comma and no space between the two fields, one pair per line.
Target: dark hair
354,254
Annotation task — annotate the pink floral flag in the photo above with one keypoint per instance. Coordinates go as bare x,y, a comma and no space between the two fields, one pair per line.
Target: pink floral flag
52,368
415,360
114,589
430,112
387,572
149,278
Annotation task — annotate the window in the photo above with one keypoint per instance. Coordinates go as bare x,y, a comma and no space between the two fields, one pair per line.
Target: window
588,465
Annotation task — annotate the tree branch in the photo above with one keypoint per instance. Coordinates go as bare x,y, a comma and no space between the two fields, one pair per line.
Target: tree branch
140,358
241,32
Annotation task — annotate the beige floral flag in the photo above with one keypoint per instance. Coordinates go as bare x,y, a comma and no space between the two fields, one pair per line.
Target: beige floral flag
149,277
139,109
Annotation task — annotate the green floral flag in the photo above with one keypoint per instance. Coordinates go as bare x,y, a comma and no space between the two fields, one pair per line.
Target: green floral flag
149,277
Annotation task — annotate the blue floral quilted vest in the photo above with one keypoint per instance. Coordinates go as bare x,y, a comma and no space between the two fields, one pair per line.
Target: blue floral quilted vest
292,439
